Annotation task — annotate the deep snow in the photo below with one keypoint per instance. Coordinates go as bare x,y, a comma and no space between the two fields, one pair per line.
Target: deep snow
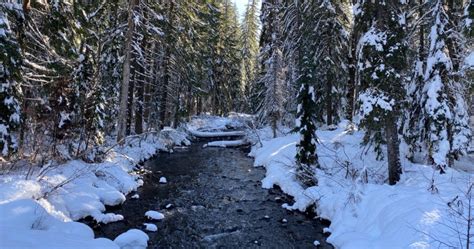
39,212
364,211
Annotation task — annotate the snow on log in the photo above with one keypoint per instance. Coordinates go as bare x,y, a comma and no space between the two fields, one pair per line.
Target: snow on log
224,144
217,134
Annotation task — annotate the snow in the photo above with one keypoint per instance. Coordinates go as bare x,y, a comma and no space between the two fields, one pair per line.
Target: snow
207,123
352,193
217,134
132,239
150,227
163,180
469,61
27,224
154,215
55,195
224,144
316,243
371,99
375,38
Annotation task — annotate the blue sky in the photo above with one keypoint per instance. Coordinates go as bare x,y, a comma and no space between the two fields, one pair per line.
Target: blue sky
241,6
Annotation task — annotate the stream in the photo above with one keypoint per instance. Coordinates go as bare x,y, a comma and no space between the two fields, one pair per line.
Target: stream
216,202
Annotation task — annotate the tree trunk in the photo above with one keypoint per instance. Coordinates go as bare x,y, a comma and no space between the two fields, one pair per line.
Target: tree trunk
131,95
141,79
274,126
139,104
166,78
126,74
199,105
329,83
26,6
393,153
351,91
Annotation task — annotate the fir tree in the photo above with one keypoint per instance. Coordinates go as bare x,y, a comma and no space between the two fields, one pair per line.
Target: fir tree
382,65
10,75
443,124
306,157
249,52
271,78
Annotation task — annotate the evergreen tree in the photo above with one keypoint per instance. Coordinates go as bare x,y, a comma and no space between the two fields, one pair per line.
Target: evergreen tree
443,122
10,76
271,76
229,62
306,157
382,63
249,52
330,32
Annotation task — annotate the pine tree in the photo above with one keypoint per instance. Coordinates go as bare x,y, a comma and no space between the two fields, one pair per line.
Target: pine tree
10,76
271,75
249,52
124,92
306,157
443,124
229,61
110,62
382,60
330,25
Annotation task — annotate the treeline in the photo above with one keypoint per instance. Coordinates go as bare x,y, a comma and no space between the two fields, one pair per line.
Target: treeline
75,71
395,68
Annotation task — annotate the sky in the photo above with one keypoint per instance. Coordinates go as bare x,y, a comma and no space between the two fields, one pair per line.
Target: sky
241,6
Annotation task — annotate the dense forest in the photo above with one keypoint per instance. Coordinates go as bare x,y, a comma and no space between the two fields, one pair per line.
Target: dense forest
76,72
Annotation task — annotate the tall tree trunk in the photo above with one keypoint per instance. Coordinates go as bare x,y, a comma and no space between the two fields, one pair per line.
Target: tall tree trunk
167,76
126,74
131,95
199,105
351,89
140,101
274,121
393,153
141,79
329,103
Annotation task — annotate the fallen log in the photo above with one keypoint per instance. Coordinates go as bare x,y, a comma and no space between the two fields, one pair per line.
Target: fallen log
225,144
202,134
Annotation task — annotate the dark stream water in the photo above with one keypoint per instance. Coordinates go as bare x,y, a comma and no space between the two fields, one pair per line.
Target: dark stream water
217,202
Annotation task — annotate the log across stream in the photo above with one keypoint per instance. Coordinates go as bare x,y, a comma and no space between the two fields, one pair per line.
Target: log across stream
215,200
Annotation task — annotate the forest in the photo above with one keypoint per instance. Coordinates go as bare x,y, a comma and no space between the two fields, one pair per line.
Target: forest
82,78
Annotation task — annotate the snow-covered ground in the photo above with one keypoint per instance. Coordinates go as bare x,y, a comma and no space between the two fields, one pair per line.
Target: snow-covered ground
39,212
424,210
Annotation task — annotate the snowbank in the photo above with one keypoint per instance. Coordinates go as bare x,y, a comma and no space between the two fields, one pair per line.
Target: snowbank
27,224
363,210
58,195
132,239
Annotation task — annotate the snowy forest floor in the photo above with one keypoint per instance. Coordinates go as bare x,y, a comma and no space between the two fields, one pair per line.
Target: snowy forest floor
38,212
424,210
